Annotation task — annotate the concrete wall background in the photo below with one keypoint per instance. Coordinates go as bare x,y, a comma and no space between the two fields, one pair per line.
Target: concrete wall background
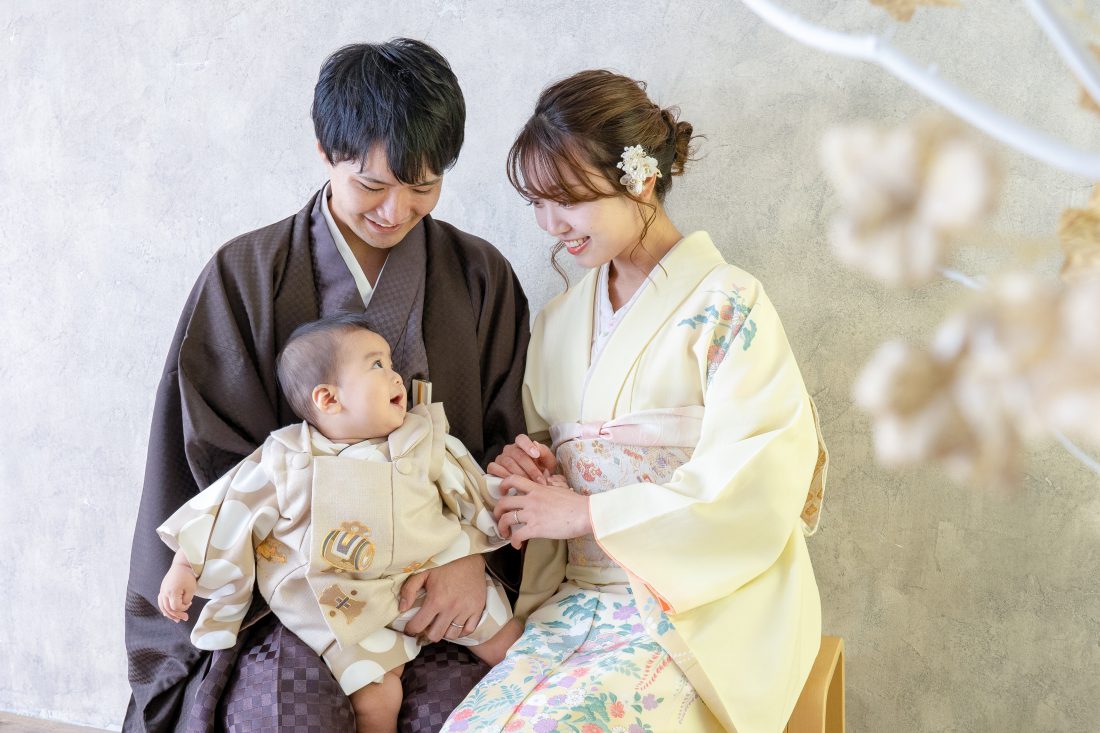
138,137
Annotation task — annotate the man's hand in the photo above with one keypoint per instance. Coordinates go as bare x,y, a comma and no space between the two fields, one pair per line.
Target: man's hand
176,591
454,602
525,457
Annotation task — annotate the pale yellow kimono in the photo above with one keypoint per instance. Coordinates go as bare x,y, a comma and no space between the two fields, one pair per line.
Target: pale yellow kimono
721,545
329,533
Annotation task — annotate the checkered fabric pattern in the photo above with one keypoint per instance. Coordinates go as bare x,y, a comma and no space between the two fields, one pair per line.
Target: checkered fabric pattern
273,682
435,683
280,684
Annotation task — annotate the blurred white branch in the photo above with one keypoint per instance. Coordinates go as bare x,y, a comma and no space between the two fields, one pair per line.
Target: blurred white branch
1080,61
974,283
877,50
1077,453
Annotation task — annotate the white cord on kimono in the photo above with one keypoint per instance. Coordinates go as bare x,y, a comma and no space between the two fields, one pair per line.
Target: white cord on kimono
877,50
1075,451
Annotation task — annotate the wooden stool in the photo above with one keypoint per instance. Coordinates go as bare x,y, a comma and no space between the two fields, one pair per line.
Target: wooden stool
820,707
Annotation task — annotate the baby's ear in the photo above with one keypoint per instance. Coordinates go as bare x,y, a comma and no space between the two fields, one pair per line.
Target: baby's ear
325,400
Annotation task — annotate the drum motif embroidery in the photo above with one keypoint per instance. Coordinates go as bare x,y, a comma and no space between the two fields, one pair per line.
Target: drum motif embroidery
349,548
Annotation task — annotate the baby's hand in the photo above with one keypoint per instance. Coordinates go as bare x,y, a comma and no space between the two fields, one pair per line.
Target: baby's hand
556,479
176,591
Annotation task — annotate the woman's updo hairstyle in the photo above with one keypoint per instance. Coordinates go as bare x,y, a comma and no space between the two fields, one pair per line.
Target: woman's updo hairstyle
581,124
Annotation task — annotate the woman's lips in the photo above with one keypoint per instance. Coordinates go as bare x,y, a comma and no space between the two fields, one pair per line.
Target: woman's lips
575,246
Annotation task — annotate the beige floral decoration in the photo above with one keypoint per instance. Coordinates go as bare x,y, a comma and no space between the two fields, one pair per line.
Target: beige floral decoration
905,195
1022,361
1079,233
903,9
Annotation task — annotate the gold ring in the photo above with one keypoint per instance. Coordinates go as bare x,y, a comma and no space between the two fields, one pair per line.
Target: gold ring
515,515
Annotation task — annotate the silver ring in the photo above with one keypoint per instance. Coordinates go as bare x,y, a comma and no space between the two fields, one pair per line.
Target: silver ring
457,626
515,515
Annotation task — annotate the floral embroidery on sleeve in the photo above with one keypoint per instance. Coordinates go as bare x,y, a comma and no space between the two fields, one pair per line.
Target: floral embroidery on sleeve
729,320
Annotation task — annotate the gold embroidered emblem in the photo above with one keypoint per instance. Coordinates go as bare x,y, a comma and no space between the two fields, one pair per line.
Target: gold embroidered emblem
269,550
348,548
338,600
412,567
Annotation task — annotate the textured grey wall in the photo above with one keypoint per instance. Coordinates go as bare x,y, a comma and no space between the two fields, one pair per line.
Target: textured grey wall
140,136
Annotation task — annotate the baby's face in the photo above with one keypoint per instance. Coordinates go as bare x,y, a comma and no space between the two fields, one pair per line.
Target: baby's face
370,392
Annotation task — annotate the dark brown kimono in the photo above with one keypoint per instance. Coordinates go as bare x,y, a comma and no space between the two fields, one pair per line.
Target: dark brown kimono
218,399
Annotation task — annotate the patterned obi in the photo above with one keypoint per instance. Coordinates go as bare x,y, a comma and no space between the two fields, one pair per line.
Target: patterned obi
645,446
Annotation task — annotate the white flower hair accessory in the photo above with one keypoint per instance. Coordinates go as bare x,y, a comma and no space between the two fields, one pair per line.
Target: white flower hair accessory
637,167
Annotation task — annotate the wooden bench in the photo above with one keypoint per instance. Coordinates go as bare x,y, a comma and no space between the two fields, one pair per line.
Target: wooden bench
820,707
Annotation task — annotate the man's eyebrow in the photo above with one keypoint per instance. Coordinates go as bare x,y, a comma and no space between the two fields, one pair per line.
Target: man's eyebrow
371,179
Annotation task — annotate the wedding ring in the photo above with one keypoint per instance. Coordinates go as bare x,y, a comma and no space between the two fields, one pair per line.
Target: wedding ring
457,626
515,515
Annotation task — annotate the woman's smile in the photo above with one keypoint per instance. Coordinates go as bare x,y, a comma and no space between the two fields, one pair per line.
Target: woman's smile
575,246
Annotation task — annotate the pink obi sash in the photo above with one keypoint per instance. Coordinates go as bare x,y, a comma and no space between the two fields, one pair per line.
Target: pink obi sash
677,426
681,427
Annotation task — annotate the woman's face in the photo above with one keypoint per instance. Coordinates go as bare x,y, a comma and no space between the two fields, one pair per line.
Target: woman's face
594,232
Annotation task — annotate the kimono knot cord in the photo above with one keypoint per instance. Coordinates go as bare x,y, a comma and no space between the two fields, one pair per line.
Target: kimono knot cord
678,427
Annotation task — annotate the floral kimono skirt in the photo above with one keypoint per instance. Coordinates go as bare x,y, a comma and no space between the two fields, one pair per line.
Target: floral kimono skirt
589,659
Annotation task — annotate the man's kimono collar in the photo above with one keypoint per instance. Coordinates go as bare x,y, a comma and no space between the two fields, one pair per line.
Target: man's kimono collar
396,308
417,426
335,284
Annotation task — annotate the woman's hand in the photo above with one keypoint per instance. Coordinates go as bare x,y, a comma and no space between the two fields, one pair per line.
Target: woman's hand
552,511
525,457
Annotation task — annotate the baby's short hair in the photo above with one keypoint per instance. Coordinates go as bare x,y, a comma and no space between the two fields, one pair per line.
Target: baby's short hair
311,356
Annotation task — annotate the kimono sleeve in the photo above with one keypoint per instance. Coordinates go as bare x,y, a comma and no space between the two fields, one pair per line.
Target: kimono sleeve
503,339
470,495
733,507
217,531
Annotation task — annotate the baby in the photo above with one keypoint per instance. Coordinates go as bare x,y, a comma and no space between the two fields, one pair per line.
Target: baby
330,516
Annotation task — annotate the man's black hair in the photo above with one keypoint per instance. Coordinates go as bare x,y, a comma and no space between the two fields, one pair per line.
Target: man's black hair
400,94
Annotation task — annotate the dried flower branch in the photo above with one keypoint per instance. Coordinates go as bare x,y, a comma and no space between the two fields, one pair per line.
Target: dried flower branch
1079,233
903,9
1020,363
904,193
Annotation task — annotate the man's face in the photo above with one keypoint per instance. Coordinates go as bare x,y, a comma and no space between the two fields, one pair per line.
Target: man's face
371,206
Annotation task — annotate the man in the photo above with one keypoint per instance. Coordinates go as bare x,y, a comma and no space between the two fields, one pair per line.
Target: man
389,121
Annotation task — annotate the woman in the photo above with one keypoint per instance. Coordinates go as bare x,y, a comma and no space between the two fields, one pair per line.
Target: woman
683,597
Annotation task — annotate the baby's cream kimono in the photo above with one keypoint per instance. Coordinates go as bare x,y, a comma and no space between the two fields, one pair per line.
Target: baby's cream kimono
329,532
